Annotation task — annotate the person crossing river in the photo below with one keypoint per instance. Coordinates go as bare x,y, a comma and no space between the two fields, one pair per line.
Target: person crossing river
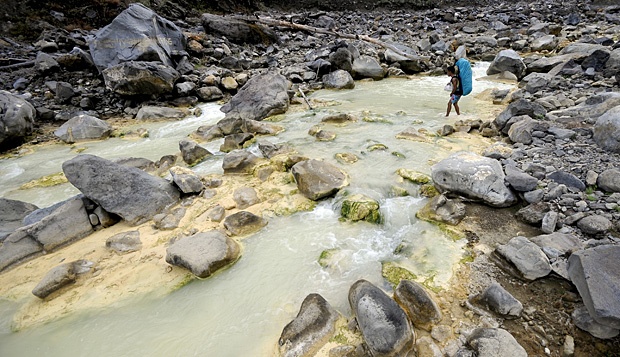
457,91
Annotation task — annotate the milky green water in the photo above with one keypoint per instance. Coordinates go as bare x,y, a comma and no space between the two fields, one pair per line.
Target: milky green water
242,310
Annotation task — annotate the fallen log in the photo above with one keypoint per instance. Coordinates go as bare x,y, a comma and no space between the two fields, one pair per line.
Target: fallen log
312,29
17,65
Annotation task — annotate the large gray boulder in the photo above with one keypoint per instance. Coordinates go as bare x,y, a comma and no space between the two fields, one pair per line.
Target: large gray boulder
382,322
137,34
507,60
418,304
561,243
495,342
339,79
607,130
262,96
16,119
367,67
473,176
140,78
83,127
237,31
12,213
609,180
311,329
131,193
526,256
595,274
317,179
203,253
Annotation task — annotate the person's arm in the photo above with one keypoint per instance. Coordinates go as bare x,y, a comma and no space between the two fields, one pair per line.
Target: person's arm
454,85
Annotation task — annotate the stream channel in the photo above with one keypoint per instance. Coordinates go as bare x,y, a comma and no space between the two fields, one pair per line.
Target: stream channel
241,311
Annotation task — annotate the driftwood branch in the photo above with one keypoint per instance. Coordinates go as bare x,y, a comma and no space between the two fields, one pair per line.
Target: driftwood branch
17,65
312,29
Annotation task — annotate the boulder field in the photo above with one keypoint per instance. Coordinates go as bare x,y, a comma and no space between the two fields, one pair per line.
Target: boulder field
539,208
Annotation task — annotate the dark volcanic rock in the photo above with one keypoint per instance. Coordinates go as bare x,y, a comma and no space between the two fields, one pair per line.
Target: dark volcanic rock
383,323
126,191
140,78
418,304
311,329
137,34
17,118
262,96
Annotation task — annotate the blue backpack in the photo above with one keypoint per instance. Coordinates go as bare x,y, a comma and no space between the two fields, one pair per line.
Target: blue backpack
465,75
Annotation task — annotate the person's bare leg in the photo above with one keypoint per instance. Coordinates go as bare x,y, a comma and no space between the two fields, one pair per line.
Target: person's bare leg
449,108
456,107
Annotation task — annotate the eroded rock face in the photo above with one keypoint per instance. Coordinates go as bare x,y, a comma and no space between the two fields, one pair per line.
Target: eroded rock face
383,323
475,177
137,34
128,192
310,330
317,179
203,253
594,272
262,96
16,119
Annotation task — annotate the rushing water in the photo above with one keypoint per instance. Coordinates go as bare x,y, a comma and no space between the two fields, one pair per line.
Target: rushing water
241,311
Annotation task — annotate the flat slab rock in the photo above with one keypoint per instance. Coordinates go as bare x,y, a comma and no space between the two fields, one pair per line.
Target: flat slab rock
203,253
527,257
595,273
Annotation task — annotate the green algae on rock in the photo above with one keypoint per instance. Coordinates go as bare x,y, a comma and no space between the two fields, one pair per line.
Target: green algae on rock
414,176
359,207
46,181
394,273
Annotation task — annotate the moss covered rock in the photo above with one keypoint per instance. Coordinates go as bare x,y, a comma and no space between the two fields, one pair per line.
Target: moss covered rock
361,208
414,176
